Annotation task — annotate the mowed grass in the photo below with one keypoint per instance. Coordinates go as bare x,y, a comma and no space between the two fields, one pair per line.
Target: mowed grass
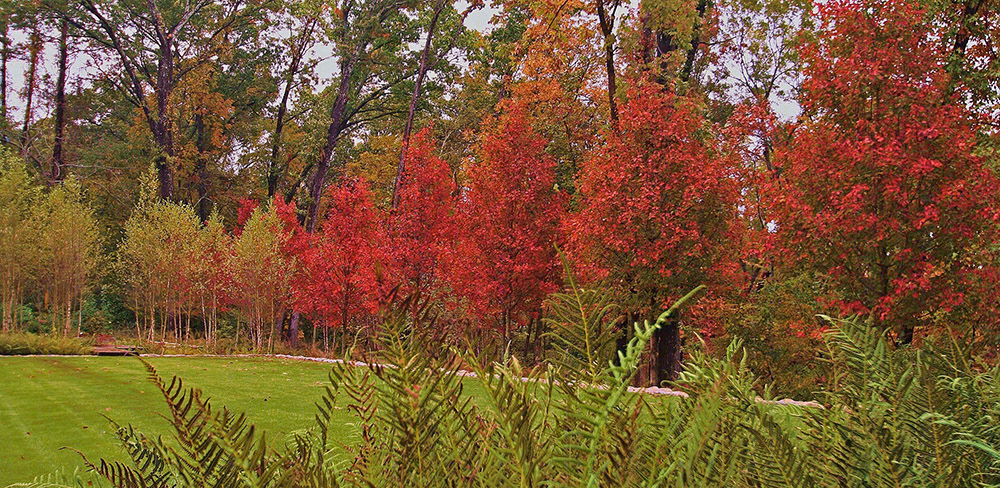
47,403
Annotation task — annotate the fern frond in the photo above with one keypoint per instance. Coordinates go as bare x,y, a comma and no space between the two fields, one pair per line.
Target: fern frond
216,448
595,410
583,326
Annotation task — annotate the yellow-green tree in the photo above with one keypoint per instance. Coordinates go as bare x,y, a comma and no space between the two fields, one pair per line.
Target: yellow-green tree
209,274
260,275
155,265
68,248
18,236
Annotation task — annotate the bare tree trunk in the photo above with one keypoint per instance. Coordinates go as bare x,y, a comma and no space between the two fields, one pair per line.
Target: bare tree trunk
204,320
31,80
162,131
79,319
58,159
138,330
666,360
68,325
293,330
4,57
270,336
421,73
337,125
204,205
527,341
274,167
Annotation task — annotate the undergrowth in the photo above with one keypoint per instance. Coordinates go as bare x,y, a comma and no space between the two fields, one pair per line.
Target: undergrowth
22,343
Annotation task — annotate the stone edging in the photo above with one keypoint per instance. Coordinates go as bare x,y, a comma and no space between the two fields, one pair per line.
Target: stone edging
651,390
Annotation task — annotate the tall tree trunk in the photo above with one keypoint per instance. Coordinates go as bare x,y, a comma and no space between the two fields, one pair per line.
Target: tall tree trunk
274,165
31,80
273,170
667,353
293,330
408,129
58,158
621,341
337,125
906,335
204,206
4,57
607,22
162,130
68,324
527,342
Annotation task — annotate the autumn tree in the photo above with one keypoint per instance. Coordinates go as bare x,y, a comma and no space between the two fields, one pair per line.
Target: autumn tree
657,201
343,268
881,188
565,76
492,59
19,228
32,77
504,261
69,243
154,263
674,39
260,275
369,39
58,160
210,280
6,54
968,36
758,56
306,25
422,227
430,55
171,42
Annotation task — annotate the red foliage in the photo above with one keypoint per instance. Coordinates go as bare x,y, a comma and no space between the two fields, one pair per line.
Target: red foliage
247,206
658,204
297,241
880,187
421,228
505,262
341,279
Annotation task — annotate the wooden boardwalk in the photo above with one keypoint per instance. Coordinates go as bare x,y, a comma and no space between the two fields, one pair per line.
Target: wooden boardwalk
115,351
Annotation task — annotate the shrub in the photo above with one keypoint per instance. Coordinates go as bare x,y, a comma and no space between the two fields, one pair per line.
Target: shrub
22,344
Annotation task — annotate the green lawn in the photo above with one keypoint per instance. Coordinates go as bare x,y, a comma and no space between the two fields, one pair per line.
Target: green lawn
49,403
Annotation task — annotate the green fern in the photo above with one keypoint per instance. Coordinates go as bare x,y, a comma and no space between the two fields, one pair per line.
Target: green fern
583,326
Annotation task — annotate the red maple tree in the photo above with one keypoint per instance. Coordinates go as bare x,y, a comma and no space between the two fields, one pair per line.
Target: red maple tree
421,228
505,262
341,264
881,188
247,207
658,206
